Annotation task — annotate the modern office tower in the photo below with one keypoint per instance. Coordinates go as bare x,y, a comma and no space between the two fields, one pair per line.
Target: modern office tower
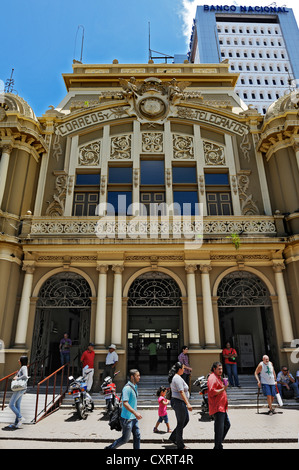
260,43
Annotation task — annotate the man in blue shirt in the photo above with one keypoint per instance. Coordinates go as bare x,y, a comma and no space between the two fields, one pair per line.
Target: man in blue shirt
129,413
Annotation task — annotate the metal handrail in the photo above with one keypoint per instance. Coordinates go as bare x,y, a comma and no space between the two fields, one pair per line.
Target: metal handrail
7,377
54,401
6,384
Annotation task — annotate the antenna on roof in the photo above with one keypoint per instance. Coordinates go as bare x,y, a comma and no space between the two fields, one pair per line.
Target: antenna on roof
82,42
9,84
150,51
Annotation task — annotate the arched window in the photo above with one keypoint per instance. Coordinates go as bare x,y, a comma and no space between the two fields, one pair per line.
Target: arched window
241,288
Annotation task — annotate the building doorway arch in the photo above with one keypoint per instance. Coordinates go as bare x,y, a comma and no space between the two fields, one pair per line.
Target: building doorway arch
154,322
246,318
63,306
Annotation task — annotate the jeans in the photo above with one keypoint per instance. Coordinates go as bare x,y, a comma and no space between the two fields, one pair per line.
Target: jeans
15,404
182,416
293,386
128,426
64,358
221,427
232,373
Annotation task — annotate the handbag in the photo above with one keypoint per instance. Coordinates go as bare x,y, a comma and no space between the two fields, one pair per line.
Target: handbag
17,385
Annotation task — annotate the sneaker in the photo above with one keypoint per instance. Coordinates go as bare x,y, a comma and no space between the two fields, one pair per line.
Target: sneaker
155,430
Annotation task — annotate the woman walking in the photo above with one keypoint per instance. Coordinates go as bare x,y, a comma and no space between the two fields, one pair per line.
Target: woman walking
180,403
15,401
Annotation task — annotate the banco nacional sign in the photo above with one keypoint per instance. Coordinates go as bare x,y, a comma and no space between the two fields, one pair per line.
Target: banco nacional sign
243,9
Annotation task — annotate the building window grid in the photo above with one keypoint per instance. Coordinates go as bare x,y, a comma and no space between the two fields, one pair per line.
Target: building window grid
269,49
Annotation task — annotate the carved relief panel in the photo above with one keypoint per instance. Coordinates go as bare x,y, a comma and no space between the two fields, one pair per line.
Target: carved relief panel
89,155
121,147
214,154
183,147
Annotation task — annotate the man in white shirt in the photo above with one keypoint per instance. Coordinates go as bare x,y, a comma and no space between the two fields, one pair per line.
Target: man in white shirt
111,361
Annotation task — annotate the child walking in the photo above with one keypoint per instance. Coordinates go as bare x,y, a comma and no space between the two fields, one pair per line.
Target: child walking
162,412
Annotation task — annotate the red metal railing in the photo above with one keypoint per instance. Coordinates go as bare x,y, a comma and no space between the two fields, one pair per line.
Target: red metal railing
56,398
33,374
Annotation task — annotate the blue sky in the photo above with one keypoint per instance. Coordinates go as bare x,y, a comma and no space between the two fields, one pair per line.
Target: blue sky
37,38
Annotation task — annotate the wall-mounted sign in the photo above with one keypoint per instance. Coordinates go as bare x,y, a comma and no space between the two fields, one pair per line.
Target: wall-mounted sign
234,8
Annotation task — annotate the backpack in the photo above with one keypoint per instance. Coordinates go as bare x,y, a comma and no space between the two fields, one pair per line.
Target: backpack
114,419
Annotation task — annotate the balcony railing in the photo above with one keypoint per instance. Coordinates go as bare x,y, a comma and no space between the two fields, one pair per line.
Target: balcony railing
174,228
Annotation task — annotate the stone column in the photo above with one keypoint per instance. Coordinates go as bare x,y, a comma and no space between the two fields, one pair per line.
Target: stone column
23,317
4,162
100,328
207,306
192,306
116,329
284,312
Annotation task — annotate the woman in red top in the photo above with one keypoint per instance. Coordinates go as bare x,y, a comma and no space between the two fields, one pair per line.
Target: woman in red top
218,404
230,361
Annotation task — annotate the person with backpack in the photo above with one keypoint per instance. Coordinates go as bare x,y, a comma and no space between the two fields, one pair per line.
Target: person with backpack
129,415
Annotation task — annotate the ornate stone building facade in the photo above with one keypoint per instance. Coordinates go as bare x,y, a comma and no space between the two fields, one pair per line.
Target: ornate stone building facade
81,253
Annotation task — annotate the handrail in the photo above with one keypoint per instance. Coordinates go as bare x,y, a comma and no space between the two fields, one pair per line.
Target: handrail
53,401
7,377
6,384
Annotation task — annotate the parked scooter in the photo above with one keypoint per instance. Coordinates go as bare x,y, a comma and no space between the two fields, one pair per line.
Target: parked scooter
202,383
109,390
82,399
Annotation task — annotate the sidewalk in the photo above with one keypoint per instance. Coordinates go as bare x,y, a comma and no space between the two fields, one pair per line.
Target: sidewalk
247,426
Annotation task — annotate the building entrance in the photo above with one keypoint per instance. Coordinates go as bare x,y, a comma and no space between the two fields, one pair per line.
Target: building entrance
246,319
63,307
154,323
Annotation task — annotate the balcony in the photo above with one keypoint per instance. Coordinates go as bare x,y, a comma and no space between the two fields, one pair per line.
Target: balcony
147,230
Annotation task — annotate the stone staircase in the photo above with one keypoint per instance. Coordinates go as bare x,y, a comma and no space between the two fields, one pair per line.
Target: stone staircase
243,397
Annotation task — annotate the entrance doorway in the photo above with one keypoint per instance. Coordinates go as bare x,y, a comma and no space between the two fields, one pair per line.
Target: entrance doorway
63,307
154,323
246,319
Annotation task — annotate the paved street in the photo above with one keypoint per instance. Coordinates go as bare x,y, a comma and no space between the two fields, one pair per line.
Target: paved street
249,430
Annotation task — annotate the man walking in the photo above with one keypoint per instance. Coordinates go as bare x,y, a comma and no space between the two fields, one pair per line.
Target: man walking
267,381
129,414
87,360
218,404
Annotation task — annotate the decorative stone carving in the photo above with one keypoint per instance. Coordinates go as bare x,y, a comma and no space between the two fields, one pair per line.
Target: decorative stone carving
210,226
248,206
121,147
246,146
152,142
56,207
182,147
214,154
57,149
89,155
152,99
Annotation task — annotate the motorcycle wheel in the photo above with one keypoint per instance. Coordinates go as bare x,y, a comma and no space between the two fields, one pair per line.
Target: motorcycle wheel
90,406
81,411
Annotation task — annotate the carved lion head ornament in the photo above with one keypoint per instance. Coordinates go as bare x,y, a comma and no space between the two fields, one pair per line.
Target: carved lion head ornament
152,99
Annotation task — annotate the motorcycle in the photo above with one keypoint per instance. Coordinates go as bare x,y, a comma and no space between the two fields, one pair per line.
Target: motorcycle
109,390
202,383
82,399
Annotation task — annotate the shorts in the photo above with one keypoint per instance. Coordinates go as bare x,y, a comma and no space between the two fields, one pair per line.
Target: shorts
269,390
163,418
